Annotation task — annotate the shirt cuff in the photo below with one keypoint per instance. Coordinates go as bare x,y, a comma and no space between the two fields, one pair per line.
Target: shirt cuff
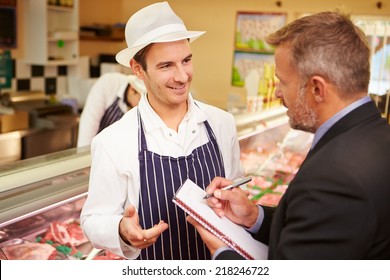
127,249
256,227
219,251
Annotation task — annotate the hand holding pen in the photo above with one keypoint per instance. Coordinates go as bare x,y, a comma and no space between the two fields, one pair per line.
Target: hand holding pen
236,206
235,184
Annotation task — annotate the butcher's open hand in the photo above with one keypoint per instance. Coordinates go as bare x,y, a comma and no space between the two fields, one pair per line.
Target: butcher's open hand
132,233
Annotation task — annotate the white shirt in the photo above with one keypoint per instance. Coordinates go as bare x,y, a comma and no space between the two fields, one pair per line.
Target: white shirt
101,96
114,178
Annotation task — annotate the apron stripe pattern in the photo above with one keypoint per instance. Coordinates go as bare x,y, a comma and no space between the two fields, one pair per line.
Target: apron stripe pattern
161,177
111,115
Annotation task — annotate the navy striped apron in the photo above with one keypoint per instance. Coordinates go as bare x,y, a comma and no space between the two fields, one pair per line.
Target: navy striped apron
161,177
114,112
111,115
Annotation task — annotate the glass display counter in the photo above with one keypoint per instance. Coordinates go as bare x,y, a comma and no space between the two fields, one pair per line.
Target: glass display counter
271,154
36,194
250,124
33,185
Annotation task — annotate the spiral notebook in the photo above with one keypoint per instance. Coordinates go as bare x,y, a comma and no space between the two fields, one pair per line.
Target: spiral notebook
189,197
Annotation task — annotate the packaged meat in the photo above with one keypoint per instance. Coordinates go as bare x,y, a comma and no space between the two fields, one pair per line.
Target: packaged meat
65,233
3,236
267,192
30,251
2,255
270,199
25,226
65,237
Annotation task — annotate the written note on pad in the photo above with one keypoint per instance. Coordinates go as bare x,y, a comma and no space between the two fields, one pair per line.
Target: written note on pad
190,198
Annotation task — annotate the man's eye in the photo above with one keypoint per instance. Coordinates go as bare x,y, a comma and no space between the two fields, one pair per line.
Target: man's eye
187,60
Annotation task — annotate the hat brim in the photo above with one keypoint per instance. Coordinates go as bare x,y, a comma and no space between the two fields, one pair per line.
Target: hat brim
124,56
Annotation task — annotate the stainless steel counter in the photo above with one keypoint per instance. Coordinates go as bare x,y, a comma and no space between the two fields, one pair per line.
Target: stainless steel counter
52,127
54,133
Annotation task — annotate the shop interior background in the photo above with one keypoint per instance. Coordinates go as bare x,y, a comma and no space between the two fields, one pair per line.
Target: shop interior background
213,53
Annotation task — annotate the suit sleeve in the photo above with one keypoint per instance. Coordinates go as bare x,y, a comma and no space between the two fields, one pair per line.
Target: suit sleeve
326,216
263,234
229,255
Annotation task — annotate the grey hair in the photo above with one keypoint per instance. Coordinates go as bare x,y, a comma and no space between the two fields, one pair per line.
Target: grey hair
328,44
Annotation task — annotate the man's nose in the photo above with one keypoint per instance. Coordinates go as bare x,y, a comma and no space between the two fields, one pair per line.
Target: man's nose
181,74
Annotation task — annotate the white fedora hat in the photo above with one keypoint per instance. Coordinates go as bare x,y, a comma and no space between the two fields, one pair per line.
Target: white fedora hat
156,23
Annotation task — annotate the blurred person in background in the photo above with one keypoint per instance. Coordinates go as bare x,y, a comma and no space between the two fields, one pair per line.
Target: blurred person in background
110,97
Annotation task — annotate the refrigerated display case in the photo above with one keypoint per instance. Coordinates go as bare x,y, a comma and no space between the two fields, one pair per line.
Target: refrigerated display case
39,194
271,152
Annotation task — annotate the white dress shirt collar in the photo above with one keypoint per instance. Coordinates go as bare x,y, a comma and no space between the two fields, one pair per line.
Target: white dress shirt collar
336,117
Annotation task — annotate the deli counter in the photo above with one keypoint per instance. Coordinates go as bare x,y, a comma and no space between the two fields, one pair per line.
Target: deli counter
41,198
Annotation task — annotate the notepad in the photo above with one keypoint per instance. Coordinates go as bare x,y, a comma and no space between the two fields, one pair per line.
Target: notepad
189,197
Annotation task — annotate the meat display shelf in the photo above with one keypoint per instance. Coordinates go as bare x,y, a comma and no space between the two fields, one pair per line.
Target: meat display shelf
272,157
251,124
36,185
37,192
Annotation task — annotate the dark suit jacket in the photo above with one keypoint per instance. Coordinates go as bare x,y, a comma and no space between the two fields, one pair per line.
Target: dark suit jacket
338,205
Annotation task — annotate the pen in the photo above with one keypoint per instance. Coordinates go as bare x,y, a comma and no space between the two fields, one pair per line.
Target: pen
235,184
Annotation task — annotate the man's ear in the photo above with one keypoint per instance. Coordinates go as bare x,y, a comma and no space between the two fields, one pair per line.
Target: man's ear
136,69
318,88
